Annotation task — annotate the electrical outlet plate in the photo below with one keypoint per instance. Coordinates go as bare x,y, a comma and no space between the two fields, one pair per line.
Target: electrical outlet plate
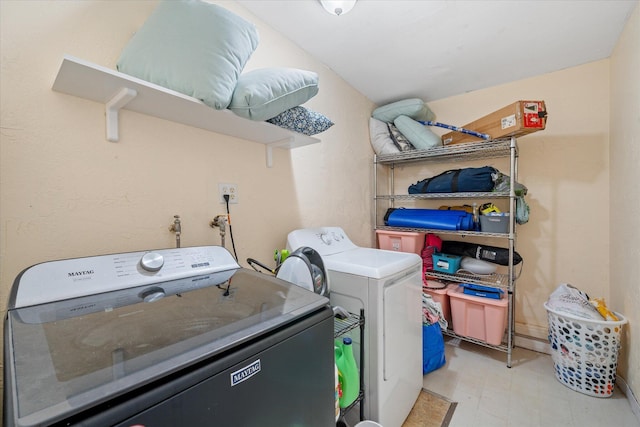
230,189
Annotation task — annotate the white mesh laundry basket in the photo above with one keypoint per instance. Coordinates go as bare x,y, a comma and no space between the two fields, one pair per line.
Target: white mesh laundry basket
585,352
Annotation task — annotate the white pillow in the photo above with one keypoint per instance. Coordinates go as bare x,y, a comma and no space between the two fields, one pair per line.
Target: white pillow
264,93
477,266
193,47
380,139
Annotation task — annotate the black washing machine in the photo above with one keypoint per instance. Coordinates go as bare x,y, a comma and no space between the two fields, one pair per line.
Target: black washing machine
165,338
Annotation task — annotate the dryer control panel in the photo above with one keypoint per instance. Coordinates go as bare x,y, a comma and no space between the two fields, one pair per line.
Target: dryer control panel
325,240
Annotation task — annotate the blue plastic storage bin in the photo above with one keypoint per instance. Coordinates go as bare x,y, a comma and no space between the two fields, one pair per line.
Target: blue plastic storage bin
432,348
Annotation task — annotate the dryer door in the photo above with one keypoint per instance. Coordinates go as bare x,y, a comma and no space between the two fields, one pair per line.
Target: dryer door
402,305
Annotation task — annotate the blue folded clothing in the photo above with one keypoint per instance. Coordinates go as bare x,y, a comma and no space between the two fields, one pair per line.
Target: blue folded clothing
482,291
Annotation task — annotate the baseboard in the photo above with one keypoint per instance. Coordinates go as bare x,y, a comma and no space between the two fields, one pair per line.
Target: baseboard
540,332
532,337
633,401
532,343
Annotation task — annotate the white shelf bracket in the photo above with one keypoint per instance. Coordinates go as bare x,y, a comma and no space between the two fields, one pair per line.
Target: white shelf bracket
269,148
113,106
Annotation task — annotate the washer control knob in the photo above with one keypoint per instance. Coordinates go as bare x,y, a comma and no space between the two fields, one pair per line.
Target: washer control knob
326,239
152,261
152,294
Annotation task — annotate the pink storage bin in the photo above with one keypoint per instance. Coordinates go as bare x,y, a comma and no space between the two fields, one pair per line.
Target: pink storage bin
401,241
441,296
484,319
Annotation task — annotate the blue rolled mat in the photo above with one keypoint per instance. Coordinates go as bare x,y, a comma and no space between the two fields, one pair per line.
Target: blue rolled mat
430,218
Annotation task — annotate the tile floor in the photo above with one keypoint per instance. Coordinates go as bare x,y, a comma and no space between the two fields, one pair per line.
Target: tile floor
491,395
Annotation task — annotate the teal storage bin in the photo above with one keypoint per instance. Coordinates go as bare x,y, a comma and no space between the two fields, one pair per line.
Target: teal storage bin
446,263
432,348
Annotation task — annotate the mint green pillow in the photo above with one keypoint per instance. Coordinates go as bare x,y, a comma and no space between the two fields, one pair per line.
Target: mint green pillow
420,136
413,107
264,93
195,48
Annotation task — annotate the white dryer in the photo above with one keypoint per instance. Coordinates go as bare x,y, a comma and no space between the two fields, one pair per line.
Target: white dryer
388,286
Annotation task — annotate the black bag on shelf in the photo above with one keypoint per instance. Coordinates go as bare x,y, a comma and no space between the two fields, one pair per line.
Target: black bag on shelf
457,180
487,253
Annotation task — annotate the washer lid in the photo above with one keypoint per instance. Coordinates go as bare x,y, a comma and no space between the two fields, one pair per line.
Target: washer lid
369,262
65,356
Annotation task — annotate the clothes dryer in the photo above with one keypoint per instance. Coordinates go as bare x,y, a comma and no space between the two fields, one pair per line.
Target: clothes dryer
388,286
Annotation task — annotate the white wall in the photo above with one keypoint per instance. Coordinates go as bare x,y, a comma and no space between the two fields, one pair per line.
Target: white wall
582,174
67,192
566,170
625,195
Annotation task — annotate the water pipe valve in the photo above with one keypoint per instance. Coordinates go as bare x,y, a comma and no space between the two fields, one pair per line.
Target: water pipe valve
176,227
221,222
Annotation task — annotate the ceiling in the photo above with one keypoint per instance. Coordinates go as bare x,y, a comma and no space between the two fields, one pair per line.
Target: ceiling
432,49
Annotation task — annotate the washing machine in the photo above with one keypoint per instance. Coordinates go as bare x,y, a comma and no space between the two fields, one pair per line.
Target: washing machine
164,338
388,286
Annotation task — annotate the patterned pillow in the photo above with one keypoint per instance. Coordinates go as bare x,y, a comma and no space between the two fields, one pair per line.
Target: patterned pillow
401,141
302,120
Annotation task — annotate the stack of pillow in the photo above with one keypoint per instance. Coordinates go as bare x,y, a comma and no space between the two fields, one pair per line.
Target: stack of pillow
200,49
394,127
275,95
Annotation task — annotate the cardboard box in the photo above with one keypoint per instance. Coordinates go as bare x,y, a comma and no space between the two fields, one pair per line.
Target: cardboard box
518,119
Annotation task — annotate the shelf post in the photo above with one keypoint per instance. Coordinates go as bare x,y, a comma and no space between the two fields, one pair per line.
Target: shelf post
112,108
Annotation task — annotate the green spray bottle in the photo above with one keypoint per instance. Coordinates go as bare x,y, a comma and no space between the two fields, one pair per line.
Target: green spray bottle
349,375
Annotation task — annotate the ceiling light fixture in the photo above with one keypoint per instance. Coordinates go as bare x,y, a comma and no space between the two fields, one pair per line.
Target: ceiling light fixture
337,7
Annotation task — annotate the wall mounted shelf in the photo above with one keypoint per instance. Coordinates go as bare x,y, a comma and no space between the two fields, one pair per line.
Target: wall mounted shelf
120,91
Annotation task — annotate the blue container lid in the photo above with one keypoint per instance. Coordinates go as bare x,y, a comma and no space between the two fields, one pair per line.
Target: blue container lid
346,341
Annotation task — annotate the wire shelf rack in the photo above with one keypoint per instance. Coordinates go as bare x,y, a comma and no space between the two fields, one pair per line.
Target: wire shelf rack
467,151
